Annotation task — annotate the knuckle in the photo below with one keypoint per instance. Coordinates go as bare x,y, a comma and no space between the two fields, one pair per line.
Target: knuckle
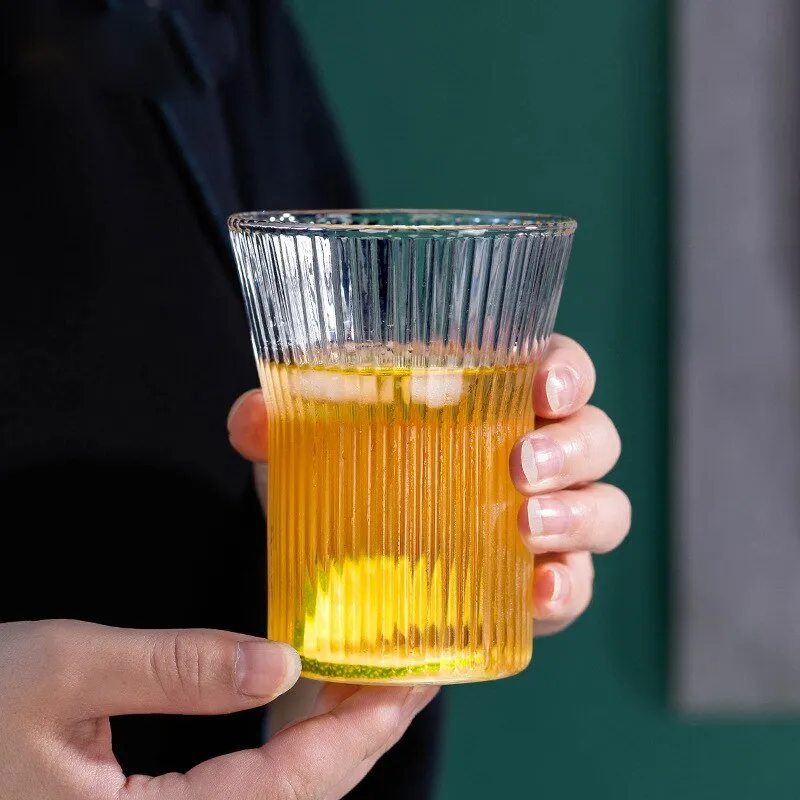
603,515
180,667
289,786
587,513
598,540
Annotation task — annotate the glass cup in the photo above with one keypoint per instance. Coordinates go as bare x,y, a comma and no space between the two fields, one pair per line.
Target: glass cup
397,351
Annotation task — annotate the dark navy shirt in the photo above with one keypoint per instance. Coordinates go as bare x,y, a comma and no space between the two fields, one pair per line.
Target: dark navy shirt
130,130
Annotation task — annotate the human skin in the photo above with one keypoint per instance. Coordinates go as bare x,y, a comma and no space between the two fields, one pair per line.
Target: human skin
62,680
568,513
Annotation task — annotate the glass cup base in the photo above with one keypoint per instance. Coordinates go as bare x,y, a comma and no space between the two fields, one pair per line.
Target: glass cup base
438,672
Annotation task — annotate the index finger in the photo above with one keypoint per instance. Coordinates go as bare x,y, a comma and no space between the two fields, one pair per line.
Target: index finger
564,381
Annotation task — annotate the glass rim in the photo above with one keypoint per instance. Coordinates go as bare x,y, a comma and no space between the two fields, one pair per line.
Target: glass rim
302,221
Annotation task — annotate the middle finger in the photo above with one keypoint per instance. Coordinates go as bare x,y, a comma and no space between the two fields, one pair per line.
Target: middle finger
596,518
581,448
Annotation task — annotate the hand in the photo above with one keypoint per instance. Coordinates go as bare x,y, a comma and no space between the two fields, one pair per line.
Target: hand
569,514
60,681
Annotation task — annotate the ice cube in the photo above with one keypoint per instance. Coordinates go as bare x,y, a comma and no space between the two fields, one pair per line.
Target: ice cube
334,387
437,389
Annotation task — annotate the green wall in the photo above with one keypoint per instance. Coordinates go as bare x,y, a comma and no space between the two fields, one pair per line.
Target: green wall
558,106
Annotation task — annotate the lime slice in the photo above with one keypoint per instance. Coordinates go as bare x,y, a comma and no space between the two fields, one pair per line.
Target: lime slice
361,672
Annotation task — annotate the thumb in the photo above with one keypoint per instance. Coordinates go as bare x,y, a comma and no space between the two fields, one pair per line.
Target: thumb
248,426
102,671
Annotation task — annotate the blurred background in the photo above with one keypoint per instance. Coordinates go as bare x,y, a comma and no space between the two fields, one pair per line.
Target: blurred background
570,107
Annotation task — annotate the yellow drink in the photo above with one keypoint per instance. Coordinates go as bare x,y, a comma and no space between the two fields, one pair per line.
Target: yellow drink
392,540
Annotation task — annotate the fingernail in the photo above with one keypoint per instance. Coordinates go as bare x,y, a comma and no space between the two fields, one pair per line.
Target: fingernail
551,586
561,387
266,669
541,458
560,579
548,516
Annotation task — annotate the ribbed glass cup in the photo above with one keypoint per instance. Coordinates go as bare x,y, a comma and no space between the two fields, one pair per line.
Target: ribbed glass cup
397,351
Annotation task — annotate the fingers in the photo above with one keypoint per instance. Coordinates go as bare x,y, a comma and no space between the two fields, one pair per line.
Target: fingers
582,448
595,518
564,527
332,695
332,752
92,670
562,590
564,381
321,757
248,425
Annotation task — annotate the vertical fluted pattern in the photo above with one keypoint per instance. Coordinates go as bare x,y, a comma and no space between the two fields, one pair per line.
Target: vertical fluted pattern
397,365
